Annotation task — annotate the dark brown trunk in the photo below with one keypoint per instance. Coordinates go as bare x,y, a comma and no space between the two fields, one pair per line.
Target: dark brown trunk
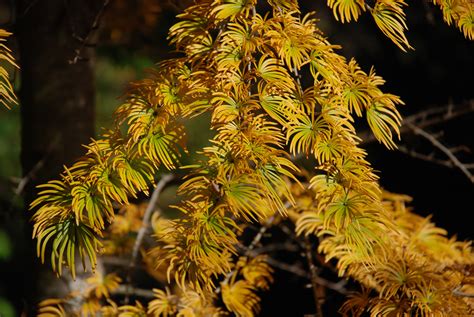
56,99
56,96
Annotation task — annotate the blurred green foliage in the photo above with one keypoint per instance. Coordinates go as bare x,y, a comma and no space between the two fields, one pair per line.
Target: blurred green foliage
6,309
5,246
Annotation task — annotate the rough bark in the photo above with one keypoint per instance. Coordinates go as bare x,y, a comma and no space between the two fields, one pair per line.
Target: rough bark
57,96
57,104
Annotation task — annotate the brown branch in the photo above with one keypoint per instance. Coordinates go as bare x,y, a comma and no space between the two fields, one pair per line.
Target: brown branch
462,294
249,249
298,271
125,290
260,234
314,276
442,148
276,247
84,41
427,118
425,157
145,226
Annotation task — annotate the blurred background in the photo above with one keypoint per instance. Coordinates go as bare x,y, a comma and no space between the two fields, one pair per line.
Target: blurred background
105,45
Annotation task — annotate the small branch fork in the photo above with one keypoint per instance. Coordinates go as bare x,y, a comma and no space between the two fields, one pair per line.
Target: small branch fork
249,249
165,179
427,118
85,40
447,151
417,123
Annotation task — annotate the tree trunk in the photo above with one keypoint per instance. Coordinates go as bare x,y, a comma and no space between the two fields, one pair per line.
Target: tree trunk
57,98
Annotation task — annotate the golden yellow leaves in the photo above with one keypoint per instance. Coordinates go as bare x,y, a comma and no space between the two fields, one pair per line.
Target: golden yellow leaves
232,8
163,146
7,95
239,296
293,39
86,301
164,304
185,303
346,10
459,13
412,273
51,307
383,118
307,133
390,18
101,286
256,271
244,70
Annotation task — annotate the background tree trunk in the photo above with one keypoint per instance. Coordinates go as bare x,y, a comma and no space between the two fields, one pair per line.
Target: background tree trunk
57,98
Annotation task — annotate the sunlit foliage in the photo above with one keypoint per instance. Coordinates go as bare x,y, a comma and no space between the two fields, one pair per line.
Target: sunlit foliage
7,95
244,69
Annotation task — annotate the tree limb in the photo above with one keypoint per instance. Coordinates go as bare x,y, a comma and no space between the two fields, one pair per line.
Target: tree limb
314,276
145,225
125,290
442,148
426,118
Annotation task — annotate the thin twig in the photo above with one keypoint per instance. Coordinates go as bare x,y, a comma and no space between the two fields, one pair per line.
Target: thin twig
125,290
314,276
444,149
298,271
290,247
144,228
259,236
427,118
249,249
25,180
462,294
85,40
426,157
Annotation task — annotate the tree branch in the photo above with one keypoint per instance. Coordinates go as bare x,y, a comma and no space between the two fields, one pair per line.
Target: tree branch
442,148
314,276
125,290
426,157
462,294
84,41
426,118
145,225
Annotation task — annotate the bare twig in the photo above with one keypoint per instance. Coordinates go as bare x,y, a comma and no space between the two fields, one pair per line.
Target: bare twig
291,247
458,292
426,157
314,276
145,225
443,149
85,41
259,236
298,271
249,249
427,118
462,294
125,290
28,7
